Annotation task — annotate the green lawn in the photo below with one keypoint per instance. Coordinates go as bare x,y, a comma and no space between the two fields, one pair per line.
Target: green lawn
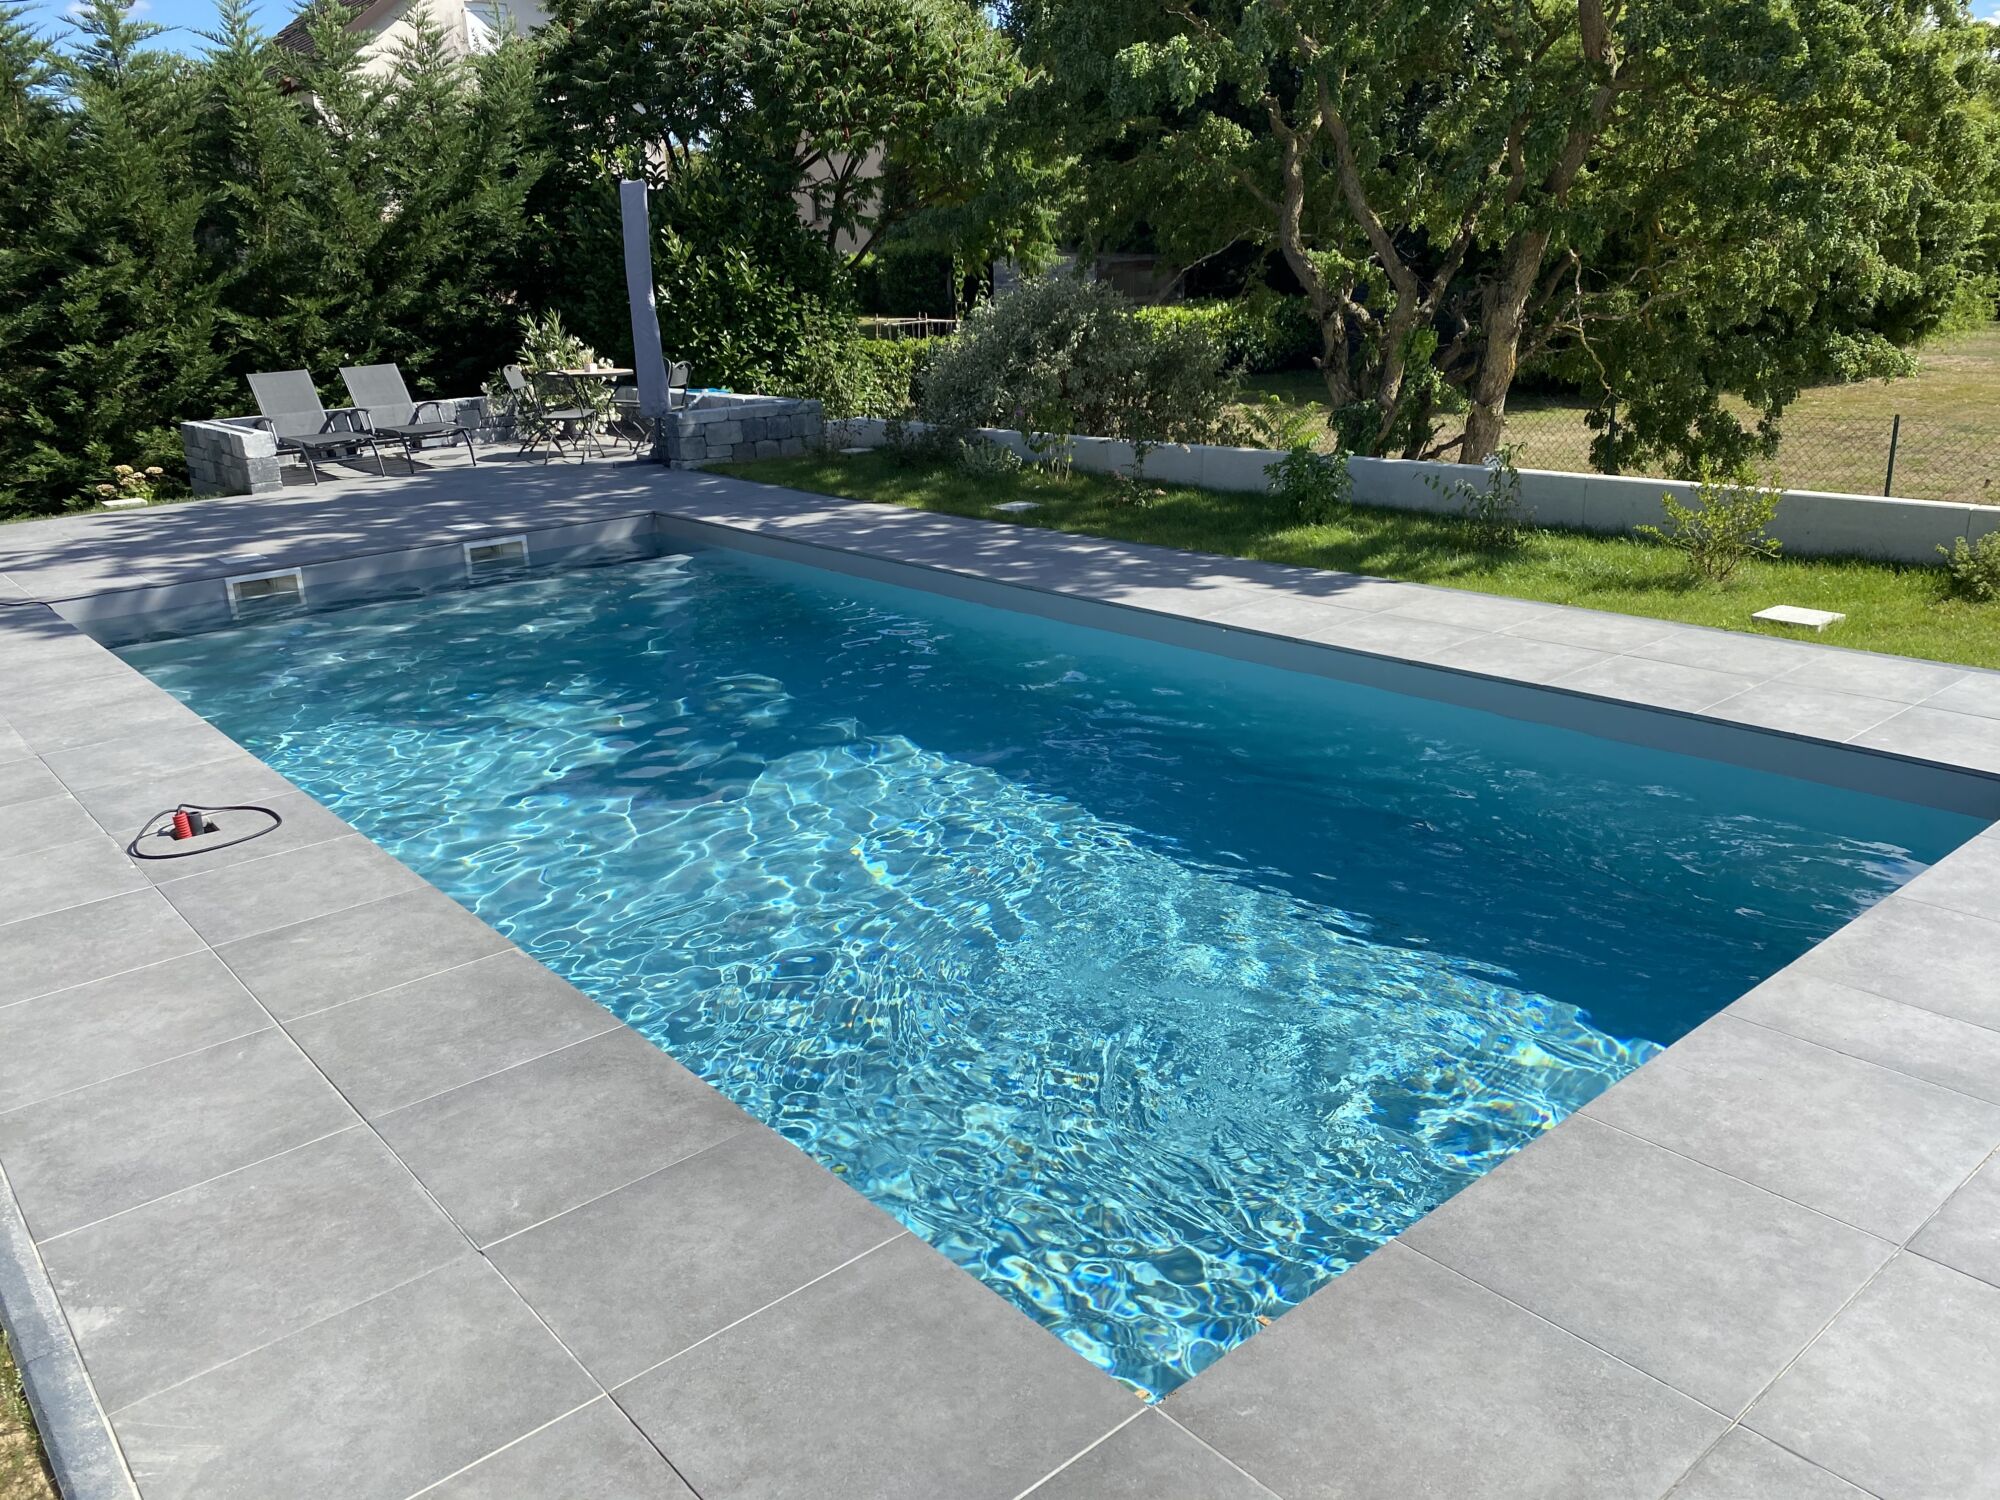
1834,437
1900,610
22,1473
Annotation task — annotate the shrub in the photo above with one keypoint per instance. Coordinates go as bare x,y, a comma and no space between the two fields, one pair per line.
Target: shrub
1063,356
1974,569
1257,334
1495,519
1315,487
886,376
1726,529
128,483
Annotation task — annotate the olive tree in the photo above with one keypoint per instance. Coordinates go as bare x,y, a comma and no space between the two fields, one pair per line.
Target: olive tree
1729,196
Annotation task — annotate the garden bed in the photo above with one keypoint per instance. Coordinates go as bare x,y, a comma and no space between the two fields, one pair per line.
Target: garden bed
1904,610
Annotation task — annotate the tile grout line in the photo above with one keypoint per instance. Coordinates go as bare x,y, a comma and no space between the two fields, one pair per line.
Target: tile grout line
20,1215
141,1068
1084,1451
900,1234
1197,1437
1872,1062
205,1182
1900,1249
511,1443
508,951
679,1161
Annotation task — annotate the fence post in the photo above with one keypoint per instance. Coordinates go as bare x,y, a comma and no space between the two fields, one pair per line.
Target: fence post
1895,435
1611,430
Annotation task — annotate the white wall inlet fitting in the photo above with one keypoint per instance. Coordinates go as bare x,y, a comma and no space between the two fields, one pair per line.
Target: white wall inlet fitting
495,552
1793,614
264,593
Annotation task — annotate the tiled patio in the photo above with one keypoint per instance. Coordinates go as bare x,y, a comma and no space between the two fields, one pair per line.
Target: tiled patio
337,1193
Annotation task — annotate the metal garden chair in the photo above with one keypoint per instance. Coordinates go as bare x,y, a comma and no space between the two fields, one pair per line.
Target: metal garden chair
289,408
379,394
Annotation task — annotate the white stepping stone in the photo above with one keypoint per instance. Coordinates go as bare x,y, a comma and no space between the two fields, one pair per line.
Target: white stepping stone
1015,507
1792,614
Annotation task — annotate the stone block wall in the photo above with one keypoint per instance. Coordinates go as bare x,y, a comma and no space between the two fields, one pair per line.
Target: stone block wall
230,457
736,429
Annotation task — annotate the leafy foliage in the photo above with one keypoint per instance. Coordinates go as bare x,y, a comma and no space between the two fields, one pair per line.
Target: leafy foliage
173,224
1669,203
1493,515
1316,486
1974,568
1061,356
1257,334
1725,529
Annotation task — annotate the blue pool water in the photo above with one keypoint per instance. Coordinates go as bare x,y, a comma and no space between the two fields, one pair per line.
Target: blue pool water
1152,988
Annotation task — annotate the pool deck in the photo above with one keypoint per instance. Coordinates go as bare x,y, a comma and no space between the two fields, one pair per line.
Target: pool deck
314,1185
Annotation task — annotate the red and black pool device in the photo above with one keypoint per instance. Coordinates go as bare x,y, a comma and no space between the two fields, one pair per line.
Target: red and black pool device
189,823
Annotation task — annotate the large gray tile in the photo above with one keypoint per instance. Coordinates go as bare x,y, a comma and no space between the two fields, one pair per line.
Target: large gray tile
125,807
1389,634
98,709
1402,1378
91,869
26,673
95,1031
26,780
330,960
1593,629
81,943
1814,712
592,1454
97,1151
1974,693
179,1286
143,752
303,822
1874,676
374,1403
47,822
1874,1147
12,746
1902,1394
1967,879
725,1231
1744,1466
1919,1042
434,1034
1754,656
898,1377
1476,611
1153,1458
239,902
1966,1233
1615,1240
1519,658
1923,955
1661,684
527,1144
1934,735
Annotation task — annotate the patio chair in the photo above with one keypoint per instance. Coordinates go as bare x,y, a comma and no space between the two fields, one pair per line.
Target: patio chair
538,422
383,400
629,423
288,407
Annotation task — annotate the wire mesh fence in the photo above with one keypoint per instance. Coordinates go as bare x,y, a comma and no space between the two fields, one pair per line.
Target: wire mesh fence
1907,454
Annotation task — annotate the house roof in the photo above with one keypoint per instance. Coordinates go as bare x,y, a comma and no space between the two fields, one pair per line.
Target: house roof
296,38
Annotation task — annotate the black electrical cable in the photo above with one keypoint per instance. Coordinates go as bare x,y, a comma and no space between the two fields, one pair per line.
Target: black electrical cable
159,823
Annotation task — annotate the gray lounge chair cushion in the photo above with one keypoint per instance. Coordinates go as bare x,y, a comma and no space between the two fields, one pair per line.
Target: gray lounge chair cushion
380,391
288,401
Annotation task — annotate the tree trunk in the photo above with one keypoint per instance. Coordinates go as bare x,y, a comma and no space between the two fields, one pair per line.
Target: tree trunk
1503,315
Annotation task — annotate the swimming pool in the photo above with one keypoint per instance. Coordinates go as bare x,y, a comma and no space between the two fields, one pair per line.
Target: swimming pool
1153,988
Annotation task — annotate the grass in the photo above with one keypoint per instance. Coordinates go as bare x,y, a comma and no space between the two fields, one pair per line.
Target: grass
1896,609
23,1474
1835,437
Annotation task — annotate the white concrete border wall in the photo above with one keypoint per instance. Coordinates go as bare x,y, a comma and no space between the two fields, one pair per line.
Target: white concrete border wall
1810,523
